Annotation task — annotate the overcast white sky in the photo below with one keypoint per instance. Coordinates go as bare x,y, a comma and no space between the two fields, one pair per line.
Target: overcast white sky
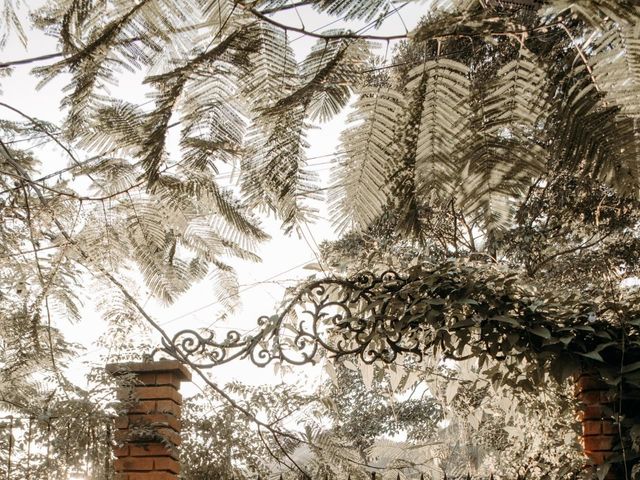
262,285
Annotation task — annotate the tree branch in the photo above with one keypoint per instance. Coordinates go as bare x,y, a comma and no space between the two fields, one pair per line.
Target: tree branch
283,8
325,36
125,292
24,61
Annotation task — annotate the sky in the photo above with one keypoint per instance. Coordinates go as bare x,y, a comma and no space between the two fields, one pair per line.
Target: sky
283,257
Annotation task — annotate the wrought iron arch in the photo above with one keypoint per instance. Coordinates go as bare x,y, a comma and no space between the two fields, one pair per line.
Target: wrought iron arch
452,310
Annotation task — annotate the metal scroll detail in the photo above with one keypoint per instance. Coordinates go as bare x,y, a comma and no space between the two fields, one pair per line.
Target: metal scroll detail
341,317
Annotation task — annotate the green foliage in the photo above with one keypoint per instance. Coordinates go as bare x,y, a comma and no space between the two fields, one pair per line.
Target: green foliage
505,138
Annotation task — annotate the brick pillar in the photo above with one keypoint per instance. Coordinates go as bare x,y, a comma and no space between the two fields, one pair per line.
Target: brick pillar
149,432
599,431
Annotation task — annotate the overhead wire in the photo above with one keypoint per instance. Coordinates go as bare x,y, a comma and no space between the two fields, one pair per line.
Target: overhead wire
85,162
203,307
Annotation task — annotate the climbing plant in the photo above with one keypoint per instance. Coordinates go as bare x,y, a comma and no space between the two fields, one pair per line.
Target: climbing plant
495,147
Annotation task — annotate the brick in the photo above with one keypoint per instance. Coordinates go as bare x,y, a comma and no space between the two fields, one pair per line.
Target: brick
598,443
144,406
152,476
121,451
156,406
170,435
168,406
166,464
598,458
591,412
158,393
167,378
591,427
609,427
166,434
608,396
146,378
133,464
591,397
122,421
126,393
590,382
157,379
153,400
152,450
143,367
156,419
121,436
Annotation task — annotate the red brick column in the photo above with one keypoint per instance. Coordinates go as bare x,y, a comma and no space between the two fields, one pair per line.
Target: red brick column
599,431
149,431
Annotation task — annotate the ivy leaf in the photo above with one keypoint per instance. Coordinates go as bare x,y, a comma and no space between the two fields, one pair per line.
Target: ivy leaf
468,301
584,328
366,370
540,331
467,322
603,470
593,355
506,319
630,368
566,340
513,338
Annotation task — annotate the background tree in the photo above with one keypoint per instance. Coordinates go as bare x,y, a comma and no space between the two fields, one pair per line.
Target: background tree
499,135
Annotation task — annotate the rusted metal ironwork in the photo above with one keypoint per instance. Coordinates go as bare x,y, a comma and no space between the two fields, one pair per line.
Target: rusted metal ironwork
340,317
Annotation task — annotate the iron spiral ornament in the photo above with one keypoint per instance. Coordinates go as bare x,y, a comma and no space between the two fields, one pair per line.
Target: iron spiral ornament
339,317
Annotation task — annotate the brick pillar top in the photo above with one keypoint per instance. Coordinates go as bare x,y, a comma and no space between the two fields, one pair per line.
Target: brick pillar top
161,366
148,432
599,431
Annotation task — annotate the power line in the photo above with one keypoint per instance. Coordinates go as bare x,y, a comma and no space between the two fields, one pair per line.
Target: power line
244,290
203,307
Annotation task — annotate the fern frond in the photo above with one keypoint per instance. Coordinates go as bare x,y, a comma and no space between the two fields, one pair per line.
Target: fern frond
209,244
494,179
360,179
505,154
432,136
444,124
214,124
517,100
170,88
615,62
146,220
10,22
595,137
166,276
112,175
327,74
199,195
106,48
225,288
61,292
598,12
117,127
274,73
365,10
273,170
73,21
117,310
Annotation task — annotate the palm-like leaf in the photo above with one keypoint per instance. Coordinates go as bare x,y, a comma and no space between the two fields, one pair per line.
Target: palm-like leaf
364,166
505,155
444,123
615,62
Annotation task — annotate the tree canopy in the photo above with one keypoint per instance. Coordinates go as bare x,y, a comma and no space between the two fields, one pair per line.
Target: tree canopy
490,157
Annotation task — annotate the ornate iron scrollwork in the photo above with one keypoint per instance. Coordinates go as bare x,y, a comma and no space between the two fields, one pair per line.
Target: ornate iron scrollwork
341,317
